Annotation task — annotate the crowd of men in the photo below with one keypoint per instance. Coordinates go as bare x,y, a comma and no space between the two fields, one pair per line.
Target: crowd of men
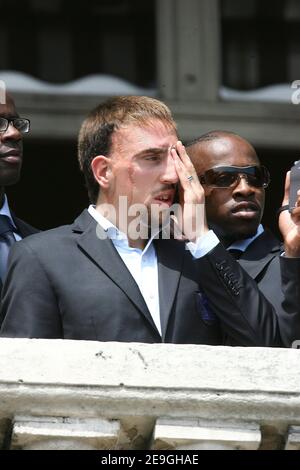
171,248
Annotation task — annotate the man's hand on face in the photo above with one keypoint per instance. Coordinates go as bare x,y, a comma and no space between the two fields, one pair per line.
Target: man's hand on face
192,220
289,224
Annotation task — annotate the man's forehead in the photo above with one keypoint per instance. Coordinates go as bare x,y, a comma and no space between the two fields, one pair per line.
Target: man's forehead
230,151
8,108
141,137
151,126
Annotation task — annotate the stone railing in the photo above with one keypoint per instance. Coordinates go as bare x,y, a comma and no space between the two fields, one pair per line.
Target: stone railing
87,395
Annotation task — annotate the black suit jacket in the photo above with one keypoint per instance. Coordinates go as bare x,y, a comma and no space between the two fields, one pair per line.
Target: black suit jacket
24,228
278,279
67,283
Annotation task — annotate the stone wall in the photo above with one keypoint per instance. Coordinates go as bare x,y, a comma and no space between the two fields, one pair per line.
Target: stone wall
60,394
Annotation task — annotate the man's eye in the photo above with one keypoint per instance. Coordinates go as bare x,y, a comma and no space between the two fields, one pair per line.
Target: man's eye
152,158
223,178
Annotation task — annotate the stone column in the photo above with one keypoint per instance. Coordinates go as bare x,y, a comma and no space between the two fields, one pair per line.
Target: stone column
192,434
49,433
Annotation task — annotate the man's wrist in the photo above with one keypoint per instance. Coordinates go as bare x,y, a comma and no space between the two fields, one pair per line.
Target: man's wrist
203,244
283,208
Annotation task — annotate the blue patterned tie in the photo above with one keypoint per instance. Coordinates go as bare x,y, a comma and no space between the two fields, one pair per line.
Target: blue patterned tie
7,239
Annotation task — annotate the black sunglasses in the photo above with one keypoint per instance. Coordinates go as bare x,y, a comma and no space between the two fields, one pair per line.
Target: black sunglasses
21,124
230,176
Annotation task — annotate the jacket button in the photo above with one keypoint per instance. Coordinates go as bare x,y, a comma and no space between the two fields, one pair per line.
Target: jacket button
220,265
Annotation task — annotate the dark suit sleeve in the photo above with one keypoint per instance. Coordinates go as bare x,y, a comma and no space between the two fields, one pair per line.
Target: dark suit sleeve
289,315
29,307
246,316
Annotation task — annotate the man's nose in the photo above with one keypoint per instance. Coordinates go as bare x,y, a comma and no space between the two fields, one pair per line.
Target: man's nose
243,187
11,133
169,174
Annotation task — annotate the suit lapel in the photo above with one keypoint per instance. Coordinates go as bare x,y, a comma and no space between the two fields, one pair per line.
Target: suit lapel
103,253
259,254
170,254
24,228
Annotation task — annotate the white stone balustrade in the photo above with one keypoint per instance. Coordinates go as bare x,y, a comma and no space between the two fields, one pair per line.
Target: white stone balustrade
60,394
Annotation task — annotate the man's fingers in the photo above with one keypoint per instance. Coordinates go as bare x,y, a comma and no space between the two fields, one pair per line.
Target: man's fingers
295,215
298,199
181,170
286,196
186,170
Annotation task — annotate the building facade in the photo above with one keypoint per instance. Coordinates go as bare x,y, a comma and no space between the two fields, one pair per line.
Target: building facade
219,64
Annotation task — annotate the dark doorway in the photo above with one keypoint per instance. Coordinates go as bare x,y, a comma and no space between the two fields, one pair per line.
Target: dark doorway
51,191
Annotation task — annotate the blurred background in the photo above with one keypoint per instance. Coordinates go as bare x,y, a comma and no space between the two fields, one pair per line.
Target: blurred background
218,64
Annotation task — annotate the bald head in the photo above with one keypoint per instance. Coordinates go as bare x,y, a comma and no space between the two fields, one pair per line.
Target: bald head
219,148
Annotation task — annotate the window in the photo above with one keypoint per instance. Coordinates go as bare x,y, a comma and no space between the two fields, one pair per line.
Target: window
59,40
261,43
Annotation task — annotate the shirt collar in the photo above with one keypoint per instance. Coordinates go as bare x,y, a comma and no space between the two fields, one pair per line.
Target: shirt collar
4,210
112,231
118,237
242,245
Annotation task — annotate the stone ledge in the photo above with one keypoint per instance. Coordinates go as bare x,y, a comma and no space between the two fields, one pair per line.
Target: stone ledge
138,384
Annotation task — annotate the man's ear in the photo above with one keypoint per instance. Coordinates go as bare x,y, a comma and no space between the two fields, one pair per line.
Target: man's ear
101,168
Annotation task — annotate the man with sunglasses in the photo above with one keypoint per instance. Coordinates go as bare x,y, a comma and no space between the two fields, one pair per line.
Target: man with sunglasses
12,128
234,183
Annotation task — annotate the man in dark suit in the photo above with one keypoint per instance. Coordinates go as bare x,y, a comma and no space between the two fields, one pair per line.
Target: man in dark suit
114,274
12,128
234,184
